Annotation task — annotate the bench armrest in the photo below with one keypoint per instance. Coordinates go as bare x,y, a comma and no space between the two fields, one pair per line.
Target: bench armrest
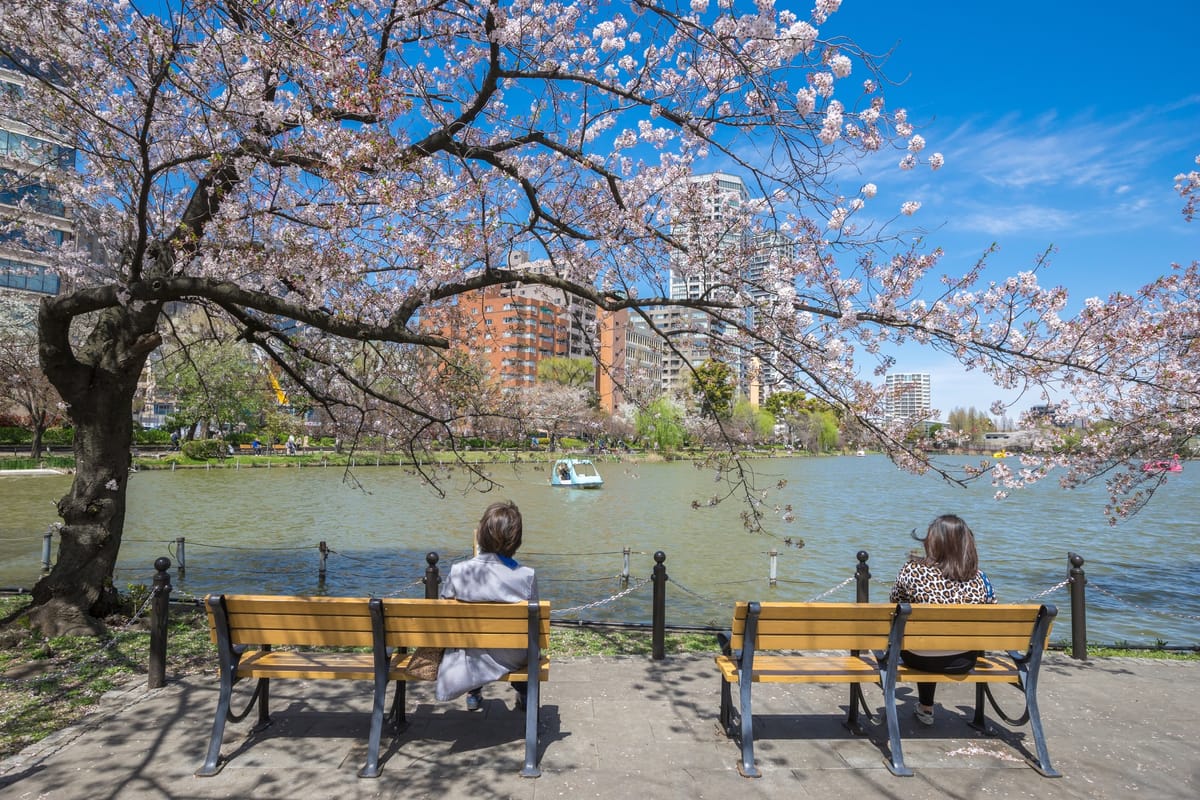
724,640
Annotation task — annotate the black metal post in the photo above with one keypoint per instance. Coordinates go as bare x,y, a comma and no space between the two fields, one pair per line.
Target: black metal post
1078,580
862,579
433,578
181,566
159,611
324,548
659,622
46,546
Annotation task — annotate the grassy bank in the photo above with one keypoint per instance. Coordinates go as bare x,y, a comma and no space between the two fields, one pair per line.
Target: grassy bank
48,684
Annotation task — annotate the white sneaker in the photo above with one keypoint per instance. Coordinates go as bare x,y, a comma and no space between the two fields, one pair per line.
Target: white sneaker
924,717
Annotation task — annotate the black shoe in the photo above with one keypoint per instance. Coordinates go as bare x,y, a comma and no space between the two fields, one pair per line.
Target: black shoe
520,703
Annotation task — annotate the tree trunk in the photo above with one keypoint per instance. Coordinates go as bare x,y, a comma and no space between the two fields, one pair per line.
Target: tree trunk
35,446
98,381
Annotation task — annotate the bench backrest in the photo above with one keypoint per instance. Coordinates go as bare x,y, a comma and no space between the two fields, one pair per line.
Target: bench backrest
815,626
450,623
973,627
277,620
866,626
257,620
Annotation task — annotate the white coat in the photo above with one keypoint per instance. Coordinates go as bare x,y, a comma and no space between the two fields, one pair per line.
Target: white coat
485,578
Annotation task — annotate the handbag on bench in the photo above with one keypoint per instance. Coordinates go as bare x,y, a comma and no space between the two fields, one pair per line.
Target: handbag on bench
423,664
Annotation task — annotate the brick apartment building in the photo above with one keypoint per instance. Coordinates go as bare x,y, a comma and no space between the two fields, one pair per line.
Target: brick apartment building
509,328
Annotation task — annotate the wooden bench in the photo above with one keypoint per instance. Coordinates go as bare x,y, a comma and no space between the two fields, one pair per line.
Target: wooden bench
245,448
808,643
248,628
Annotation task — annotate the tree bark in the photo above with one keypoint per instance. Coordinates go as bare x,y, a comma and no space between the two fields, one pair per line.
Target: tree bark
97,381
35,446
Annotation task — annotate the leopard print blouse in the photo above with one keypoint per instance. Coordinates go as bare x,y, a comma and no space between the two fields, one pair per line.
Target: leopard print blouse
919,582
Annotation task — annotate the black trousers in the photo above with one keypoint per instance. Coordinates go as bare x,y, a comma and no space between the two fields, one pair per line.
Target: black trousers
953,664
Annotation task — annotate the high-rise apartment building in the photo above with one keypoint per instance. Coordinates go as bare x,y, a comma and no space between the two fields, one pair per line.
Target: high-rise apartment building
510,328
907,396
734,256
25,153
629,362
722,198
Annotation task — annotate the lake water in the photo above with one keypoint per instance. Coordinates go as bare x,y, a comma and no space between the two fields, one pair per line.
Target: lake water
257,530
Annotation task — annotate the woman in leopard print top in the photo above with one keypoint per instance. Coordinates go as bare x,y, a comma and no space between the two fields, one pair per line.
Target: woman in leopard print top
948,573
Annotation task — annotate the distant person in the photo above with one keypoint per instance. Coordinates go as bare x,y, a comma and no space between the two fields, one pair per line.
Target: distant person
174,440
257,445
291,445
948,573
491,576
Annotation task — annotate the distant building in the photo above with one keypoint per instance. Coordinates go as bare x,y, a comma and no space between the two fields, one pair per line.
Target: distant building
1008,440
907,396
25,273
629,362
509,327
687,333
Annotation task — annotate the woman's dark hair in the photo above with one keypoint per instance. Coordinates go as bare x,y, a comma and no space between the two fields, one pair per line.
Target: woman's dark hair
500,529
950,546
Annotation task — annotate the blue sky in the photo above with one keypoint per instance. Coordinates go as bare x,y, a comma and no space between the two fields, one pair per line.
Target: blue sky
1063,123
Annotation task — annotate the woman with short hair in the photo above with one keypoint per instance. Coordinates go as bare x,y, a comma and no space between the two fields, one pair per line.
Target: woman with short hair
493,575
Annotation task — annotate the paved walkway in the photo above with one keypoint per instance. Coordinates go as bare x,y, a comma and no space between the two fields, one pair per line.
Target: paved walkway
631,728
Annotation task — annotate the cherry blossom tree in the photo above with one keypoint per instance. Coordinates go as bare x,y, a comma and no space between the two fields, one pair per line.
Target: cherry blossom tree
319,175
24,385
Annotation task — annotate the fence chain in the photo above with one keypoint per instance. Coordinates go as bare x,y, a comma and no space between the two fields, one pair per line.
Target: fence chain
828,592
696,595
598,603
1045,592
401,590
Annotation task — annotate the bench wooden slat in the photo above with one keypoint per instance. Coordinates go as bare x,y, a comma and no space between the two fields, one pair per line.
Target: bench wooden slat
465,624
520,675
805,669
988,669
282,637
965,642
972,612
846,641
292,604
307,665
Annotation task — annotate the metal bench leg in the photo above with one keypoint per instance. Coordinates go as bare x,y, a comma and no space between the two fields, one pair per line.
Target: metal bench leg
212,761
978,722
263,689
746,766
857,701
725,715
378,702
398,700
1035,724
533,707
896,762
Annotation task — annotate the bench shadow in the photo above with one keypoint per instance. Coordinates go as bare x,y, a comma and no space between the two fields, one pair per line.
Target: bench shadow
464,731
828,726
